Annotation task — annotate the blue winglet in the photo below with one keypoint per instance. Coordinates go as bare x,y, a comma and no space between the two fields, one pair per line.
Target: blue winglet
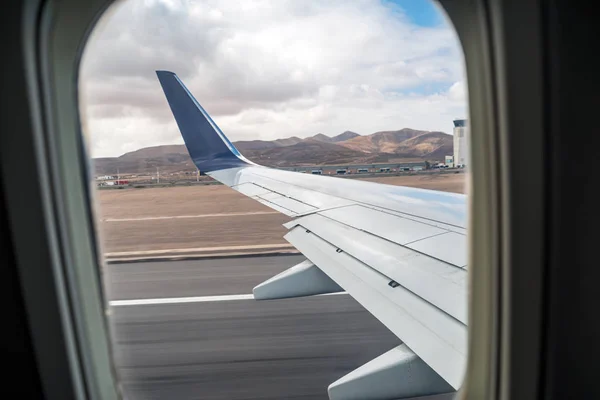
208,146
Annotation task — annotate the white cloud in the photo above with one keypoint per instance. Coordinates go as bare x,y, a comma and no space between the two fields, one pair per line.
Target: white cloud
457,92
268,69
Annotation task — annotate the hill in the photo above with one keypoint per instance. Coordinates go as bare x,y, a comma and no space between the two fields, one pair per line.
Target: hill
434,145
381,142
319,137
308,152
344,136
336,139
266,144
169,158
345,148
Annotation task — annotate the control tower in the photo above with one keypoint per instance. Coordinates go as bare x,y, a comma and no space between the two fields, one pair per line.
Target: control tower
461,143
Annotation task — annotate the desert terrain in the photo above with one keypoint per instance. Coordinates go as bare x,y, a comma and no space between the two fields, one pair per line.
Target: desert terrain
191,217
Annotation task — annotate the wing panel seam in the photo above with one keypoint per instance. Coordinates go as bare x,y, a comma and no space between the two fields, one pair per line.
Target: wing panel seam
392,242
357,202
310,232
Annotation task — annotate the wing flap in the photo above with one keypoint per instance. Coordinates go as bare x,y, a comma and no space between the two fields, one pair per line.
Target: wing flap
449,247
438,338
391,227
441,284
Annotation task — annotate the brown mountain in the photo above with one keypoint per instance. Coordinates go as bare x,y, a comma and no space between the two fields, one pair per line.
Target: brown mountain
307,152
266,144
168,158
433,145
335,139
287,142
345,148
344,136
319,137
381,142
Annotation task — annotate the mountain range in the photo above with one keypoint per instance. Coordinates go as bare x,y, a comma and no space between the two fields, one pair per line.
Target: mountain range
346,148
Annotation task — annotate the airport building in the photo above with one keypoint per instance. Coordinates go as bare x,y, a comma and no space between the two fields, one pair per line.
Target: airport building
461,143
449,161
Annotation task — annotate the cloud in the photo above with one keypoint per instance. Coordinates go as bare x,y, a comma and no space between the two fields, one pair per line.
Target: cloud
457,92
268,69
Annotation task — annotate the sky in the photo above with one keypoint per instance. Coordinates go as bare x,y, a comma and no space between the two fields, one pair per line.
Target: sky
269,69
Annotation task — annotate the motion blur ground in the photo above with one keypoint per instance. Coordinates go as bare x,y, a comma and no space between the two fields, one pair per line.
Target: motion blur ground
233,349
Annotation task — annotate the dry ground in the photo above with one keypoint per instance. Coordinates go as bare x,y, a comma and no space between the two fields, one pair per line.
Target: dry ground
444,182
122,227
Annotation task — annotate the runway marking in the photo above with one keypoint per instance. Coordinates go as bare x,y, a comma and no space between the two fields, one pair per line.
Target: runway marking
200,249
198,299
239,214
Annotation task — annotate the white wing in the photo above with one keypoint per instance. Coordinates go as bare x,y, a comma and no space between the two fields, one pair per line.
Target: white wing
400,252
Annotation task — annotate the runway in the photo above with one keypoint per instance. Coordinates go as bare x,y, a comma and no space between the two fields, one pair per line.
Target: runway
233,349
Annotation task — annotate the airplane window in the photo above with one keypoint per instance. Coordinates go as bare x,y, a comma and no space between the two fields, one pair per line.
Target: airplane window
281,200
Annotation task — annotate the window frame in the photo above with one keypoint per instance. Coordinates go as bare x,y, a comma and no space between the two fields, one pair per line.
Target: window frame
506,228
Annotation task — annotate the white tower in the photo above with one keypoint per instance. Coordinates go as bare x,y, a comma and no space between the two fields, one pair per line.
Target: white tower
461,142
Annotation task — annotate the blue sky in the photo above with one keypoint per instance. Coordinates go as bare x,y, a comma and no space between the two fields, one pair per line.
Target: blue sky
424,13
421,12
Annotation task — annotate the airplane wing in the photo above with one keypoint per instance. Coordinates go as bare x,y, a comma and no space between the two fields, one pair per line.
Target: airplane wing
400,252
